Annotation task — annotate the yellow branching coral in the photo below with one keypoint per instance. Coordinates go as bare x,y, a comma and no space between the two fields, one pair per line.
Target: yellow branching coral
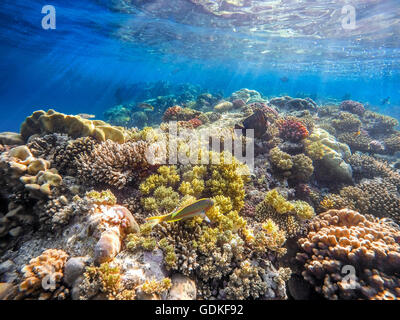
288,215
278,202
105,197
228,178
167,176
269,236
108,278
142,240
164,199
156,287
280,159
303,210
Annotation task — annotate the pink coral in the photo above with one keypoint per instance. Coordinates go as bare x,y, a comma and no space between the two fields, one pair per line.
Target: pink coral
292,130
195,122
172,113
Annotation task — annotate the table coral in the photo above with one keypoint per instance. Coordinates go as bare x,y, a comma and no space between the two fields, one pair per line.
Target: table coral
41,122
341,240
392,143
369,167
376,123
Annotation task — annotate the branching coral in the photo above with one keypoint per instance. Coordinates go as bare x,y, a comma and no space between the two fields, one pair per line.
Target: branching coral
288,215
43,273
281,160
251,281
340,241
107,279
347,122
115,164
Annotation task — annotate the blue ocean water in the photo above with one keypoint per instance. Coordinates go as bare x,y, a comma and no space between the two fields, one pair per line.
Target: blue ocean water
101,48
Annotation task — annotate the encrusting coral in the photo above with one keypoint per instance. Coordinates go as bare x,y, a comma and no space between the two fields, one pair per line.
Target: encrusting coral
21,166
41,122
350,256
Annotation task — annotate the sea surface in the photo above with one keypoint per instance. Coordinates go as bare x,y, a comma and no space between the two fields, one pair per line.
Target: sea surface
103,51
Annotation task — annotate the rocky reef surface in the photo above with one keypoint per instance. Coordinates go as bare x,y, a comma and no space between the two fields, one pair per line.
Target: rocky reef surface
313,214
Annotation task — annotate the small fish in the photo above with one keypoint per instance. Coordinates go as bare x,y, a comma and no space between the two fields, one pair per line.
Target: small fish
86,116
356,134
284,79
145,106
198,208
385,101
175,71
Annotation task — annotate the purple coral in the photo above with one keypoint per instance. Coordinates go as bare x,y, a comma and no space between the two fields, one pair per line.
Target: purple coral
353,107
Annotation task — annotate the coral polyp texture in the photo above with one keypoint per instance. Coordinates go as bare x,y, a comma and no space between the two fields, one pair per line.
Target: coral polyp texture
292,130
302,200
350,256
114,164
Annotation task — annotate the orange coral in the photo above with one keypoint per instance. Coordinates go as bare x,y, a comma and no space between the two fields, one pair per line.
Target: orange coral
341,241
47,268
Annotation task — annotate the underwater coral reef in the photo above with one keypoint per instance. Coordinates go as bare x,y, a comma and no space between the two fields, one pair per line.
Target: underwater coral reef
313,214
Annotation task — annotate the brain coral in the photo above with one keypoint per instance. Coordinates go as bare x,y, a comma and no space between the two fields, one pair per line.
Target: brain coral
331,154
343,241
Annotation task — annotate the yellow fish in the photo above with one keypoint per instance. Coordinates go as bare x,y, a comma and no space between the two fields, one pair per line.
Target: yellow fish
357,133
198,208
145,106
